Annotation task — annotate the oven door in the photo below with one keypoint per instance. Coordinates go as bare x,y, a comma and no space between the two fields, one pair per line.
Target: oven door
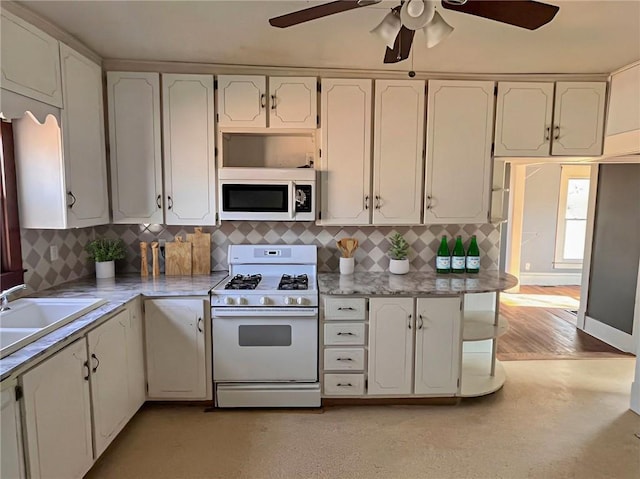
265,344
255,200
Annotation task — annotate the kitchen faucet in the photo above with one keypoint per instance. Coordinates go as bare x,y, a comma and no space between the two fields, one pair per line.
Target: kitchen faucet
4,302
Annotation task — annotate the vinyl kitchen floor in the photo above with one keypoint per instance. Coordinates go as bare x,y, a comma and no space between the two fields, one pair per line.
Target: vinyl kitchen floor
553,419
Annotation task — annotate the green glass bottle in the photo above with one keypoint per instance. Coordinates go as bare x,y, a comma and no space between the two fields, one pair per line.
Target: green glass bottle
457,257
473,256
443,257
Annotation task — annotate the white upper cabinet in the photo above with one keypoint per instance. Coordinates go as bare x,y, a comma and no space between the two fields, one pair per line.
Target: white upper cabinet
243,101
578,118
459,137
346,151
523,119
623,121
135,147
62,173
543,118
30,61
398,149
189,163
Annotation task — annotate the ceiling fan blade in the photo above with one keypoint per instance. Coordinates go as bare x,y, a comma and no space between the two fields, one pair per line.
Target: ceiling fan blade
318,11
520,13
401,47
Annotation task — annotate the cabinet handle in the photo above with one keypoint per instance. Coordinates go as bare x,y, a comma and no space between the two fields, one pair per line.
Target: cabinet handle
421,321
548,133
170,201
344,359
366,202
409,321
557,130
73,198
345,334
273,102
377,202
262,101
347,385
348,308
198,324
429,202
95,368
86,365
158,204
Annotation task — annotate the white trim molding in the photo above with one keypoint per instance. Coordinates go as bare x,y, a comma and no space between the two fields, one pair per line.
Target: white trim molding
610,335
551,279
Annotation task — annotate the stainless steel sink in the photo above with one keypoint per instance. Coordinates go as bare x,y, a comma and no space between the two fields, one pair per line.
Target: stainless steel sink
28,319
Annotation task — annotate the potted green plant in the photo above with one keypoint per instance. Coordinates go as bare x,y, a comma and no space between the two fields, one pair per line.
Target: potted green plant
399,263
104,252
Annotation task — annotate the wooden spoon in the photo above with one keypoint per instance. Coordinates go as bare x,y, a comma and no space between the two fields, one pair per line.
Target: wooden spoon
352,246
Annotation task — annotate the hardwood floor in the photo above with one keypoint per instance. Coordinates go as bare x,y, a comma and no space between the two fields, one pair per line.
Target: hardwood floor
540,327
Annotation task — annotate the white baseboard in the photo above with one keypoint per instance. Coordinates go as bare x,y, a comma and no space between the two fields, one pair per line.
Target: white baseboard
551,279
610,335
635,396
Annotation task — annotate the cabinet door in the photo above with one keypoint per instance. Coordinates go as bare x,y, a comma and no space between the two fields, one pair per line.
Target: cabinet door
390,345
398,150
12,457
135,356
293,102
578,118
438,343
346,152
83,140
459,136
623,115
523,119
57,409
189,164
134,142
109,364
175,348
242,100
30,61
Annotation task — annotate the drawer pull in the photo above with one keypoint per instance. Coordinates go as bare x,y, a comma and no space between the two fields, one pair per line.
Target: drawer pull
348,308
344,359
347,385
345,334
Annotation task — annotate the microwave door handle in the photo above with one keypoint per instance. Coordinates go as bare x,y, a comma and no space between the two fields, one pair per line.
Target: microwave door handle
292,204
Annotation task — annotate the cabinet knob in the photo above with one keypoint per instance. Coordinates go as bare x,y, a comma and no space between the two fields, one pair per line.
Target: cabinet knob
557,134
377,202
73,198
263,104
198,324
548,133
158,204
429,202
170,201
366,202
273,102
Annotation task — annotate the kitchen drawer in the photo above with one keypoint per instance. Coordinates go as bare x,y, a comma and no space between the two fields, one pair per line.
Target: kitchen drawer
344,359
338,334
336,308
344,384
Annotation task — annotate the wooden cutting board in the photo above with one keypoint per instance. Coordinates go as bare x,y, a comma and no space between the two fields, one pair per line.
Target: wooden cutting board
177,259
201,253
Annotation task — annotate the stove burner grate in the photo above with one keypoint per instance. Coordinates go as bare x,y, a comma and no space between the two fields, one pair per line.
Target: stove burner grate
289,282
244,281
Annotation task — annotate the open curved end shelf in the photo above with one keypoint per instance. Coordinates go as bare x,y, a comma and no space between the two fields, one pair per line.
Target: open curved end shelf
476,380
478,326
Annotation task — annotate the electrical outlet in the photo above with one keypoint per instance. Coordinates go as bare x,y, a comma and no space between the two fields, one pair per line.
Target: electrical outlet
53,252
527,266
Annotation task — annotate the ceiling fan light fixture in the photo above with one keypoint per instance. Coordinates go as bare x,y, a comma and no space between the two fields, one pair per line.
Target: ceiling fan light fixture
436,30
415,14
388,28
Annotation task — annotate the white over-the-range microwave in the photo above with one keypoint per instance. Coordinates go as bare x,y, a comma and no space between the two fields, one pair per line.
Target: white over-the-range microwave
267,194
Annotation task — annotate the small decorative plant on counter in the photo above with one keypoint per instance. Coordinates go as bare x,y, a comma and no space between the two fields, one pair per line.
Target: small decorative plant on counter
104,252
399,263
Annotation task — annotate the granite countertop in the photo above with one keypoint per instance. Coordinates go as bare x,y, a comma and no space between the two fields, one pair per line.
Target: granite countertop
414,283
117,291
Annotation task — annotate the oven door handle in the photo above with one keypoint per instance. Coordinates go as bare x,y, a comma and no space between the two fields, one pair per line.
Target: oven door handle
264,312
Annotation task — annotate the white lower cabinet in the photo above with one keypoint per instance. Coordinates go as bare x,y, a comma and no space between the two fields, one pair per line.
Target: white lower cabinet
176,355
57,407
135,352
12,456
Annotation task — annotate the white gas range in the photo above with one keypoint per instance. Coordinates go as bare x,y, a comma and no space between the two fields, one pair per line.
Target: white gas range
265,328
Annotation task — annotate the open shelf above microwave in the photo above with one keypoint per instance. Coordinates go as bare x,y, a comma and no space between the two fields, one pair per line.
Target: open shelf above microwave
268,150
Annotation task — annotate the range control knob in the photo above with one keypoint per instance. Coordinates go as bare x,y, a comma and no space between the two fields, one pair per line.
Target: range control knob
265,300
242,300
228,300
301,301
289,300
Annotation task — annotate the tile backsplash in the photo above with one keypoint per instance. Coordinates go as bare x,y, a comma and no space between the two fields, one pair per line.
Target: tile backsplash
43,273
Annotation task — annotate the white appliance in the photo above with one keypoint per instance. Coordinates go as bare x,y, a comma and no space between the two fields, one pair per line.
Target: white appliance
267,194
265,328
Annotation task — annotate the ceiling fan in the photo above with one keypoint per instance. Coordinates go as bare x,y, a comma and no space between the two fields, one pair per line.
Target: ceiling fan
399,26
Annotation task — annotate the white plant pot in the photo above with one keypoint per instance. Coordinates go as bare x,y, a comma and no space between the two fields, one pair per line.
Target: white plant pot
347,265
105,269
399,266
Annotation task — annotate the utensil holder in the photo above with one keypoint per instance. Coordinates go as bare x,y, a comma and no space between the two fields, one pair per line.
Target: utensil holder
346,265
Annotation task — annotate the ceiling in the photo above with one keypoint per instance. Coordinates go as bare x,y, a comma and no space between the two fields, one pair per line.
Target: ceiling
584,37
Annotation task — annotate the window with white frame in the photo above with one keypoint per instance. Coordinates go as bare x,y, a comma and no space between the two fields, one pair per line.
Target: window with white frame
572,216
